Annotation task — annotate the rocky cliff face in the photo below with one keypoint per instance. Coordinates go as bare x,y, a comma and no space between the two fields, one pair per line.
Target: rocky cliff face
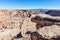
47,27
32,23
15,19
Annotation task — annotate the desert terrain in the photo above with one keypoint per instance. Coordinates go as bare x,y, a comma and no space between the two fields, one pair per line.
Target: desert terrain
29,25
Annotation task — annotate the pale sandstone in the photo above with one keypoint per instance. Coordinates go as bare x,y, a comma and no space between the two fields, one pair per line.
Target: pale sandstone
49,31
9,24
28,26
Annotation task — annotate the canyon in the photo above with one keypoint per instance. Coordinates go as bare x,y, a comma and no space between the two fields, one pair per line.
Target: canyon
29,25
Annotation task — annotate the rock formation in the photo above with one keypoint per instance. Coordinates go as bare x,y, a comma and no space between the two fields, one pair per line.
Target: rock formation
33,23
48,27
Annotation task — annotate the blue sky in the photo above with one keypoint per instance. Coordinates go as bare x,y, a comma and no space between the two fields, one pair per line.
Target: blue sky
29,4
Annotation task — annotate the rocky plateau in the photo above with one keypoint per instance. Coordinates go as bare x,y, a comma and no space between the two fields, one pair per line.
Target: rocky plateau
29,25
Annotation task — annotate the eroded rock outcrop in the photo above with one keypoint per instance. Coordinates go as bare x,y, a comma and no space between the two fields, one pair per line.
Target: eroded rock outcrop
49,32
48,27
35,22
11,20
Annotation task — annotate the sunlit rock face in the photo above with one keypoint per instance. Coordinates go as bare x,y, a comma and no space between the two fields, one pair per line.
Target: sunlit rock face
48,26
14,21
10,23
8,19
27,26
23,21
49,31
